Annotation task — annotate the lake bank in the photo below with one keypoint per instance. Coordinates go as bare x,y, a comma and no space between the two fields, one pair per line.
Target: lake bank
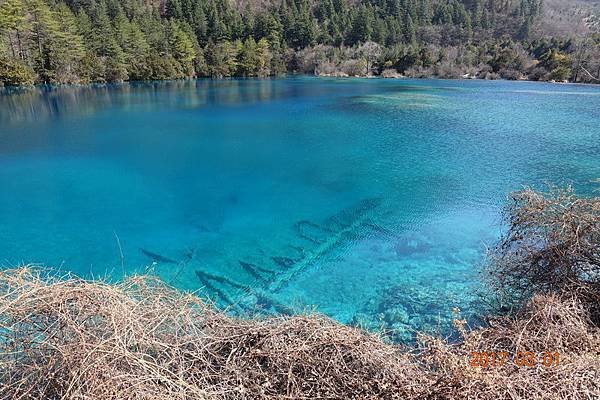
390,75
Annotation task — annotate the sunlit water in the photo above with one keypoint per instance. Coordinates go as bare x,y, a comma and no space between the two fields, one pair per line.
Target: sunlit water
369,200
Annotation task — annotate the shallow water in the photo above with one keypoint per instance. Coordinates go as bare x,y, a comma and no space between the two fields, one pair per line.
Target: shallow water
369,200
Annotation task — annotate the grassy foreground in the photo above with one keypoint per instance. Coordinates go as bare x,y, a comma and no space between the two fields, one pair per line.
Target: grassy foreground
140,339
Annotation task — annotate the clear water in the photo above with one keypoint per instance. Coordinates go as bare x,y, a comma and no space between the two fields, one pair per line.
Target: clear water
369,200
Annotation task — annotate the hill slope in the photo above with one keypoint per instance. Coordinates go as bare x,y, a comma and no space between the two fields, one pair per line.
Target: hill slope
116,40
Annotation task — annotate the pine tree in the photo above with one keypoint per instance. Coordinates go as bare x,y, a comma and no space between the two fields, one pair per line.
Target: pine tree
303,30
247,22
222,58
425,12
477,13
66,47
137,52
115,65
15,72
120,27
362,26
248,58
43,29
173,9
182,48
217,29
264,57
200,24
187,11
12,24
409,29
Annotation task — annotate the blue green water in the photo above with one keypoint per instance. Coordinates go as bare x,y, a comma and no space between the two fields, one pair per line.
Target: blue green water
369,200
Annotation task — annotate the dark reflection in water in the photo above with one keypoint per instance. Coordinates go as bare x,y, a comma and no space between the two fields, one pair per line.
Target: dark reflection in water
47,102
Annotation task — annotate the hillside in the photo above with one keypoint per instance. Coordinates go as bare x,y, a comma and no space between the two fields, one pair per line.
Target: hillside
116,40
561,18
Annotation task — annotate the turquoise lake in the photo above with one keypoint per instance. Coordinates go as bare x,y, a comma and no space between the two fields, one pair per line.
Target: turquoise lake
369,200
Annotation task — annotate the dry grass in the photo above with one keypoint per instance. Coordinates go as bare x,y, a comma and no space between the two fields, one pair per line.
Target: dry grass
545,324
142,340
552,245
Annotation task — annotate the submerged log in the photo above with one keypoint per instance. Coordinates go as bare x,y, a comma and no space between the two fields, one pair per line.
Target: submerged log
251,269
223,280
204,280
348,221
283,262
157,257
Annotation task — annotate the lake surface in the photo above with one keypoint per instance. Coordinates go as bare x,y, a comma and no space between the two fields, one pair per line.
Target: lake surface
369,200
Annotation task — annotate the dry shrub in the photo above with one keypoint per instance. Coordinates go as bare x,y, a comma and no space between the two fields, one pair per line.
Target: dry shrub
552,245
142,340
545,324
548,264
139,339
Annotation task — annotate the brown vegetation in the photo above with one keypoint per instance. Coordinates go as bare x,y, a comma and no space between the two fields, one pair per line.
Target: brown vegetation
552,246
142,340
139,339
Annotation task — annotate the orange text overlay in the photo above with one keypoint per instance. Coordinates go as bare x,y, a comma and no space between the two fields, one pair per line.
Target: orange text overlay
484,359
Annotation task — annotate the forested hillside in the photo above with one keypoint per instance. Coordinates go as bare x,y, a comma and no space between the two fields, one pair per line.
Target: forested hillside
72,41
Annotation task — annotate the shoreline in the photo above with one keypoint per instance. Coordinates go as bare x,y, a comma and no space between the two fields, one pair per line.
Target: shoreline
13,88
